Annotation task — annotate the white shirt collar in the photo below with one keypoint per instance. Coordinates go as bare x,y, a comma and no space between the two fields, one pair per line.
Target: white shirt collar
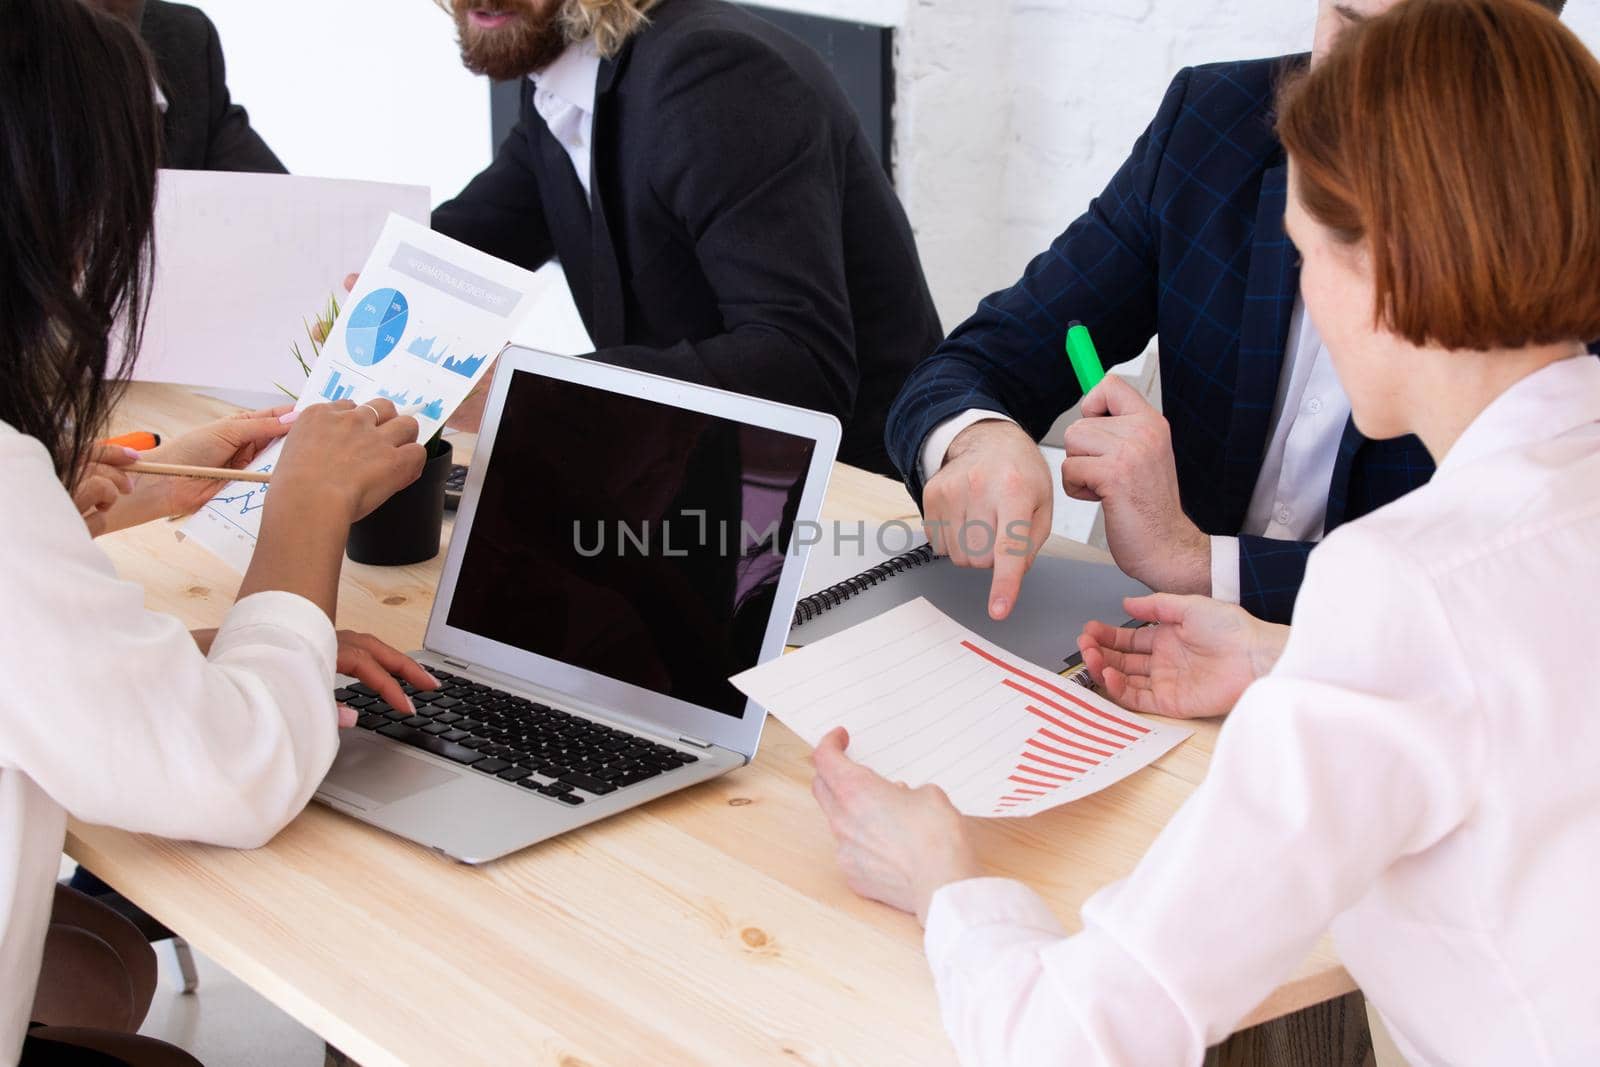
572,78
1551,401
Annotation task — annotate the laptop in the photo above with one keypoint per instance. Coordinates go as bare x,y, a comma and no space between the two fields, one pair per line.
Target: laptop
625,543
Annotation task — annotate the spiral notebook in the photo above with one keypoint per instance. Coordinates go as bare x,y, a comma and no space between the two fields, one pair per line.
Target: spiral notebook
854,578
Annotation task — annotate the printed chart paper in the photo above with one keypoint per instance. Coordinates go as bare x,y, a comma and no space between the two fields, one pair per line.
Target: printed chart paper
423,326
927,700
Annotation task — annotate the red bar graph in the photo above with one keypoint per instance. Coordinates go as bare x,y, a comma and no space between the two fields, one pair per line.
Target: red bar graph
1049,760
1071,698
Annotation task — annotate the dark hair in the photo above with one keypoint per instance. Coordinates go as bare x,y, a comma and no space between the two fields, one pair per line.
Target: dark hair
79,145
1460,141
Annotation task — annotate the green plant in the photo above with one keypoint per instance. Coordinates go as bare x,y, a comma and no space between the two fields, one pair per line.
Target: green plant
317,331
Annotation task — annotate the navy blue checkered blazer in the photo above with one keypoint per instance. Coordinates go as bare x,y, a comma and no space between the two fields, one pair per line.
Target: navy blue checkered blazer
1187,243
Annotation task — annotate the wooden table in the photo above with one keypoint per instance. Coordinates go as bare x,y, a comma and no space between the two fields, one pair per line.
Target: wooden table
710,927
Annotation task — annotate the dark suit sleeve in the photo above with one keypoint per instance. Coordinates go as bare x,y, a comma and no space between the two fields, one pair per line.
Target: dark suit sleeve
231,144
1010,355
499,212
1270,573
748,160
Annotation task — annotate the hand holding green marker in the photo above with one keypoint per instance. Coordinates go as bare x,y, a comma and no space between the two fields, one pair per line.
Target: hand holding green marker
1085,360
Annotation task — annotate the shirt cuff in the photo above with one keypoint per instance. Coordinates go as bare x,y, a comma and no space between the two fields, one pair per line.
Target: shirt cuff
961,907
1225,569
939,439
277,610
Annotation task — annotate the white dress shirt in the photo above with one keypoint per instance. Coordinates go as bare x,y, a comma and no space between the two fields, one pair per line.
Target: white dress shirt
563,94
111,714
1290,501
1418,772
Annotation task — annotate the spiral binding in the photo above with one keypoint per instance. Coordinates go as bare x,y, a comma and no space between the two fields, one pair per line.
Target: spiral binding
817,603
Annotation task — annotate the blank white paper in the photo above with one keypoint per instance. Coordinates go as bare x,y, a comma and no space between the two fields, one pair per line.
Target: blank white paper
242,261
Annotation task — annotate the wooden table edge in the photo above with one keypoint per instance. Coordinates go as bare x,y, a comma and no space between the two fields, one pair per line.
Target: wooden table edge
210,939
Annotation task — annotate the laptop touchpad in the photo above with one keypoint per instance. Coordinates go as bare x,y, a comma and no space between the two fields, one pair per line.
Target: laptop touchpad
381,775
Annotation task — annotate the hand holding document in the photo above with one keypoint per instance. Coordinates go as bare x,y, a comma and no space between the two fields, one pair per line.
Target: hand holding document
928,701
421,328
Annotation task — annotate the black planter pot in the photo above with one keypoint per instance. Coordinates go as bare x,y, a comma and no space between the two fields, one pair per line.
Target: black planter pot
405,529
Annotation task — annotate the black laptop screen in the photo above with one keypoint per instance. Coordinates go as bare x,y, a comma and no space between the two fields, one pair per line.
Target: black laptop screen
630,538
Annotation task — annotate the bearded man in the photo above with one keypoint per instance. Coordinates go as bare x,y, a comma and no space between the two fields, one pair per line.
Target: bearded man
718,210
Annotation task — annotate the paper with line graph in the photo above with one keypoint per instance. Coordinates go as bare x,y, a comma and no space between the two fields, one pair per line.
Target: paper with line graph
927,700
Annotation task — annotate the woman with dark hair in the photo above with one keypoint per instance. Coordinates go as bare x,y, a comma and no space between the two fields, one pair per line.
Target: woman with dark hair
1412,763
110,712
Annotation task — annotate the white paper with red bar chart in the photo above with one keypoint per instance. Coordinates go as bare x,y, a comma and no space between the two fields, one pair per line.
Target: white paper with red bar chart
928,701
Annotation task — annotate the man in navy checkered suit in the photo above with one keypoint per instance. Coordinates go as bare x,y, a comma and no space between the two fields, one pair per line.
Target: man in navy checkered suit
1255,458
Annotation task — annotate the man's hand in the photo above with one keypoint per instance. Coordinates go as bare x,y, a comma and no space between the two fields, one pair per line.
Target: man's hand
895,844
1120,455
990,506
1195,663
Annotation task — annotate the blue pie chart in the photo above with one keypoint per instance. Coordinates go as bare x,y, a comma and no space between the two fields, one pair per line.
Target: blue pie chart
377,323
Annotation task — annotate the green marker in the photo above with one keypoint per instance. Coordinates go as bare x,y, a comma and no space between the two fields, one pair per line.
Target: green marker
1085,360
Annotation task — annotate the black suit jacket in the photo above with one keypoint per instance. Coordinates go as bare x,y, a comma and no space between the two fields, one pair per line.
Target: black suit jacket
205,129
741,232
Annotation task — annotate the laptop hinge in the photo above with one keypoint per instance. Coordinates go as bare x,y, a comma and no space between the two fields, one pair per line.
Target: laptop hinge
455,664
696,742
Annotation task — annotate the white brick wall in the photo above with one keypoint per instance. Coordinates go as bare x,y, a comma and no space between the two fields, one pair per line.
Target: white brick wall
1012,114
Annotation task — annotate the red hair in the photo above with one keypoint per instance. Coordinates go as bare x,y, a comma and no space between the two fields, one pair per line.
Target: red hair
1460,140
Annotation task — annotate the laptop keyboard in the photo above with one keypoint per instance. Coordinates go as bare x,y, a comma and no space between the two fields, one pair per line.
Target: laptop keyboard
519,741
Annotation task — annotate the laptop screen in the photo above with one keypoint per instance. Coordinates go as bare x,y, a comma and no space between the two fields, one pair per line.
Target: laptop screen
637,540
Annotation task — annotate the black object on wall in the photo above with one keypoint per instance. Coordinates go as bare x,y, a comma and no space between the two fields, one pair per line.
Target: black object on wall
505,105
861,57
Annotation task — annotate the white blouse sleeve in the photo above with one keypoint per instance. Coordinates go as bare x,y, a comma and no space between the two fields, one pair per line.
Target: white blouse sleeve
113,711
1361,747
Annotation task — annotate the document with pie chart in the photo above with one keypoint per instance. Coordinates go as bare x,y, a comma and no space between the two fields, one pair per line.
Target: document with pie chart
426,319
928,701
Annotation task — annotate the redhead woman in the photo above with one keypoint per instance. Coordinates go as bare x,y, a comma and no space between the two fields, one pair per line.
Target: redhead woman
1413,763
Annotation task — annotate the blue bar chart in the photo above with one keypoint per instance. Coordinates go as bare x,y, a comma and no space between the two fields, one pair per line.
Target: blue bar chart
334,391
